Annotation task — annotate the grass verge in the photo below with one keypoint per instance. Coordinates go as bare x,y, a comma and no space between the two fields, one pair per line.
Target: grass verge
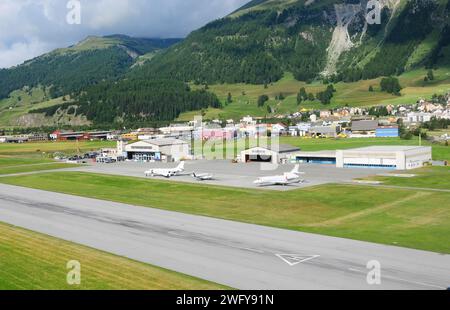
13,165
30,261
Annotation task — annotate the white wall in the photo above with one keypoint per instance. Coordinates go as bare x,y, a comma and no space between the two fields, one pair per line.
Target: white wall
177,152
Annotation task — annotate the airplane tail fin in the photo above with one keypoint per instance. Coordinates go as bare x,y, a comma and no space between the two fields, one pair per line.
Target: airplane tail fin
296,170
181,166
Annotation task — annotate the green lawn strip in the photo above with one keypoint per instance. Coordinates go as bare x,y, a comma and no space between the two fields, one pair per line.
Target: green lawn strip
302,210
30,260
20,161
429,177
45,148
422,223
35,168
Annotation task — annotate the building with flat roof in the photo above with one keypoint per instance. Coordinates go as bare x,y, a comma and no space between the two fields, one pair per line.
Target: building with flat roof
387,157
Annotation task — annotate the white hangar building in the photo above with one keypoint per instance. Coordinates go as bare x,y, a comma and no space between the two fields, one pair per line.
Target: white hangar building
269,154
167,149
387,157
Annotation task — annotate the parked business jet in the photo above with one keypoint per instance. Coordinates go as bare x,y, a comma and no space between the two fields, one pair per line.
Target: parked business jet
202,176
166,172
292,177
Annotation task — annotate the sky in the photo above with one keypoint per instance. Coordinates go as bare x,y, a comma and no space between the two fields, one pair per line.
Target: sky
29,28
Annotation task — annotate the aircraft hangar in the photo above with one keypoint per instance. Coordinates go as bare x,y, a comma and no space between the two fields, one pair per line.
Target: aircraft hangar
377,157
387,157
166,149
269,154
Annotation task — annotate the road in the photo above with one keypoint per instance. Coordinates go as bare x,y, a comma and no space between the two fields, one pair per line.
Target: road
239,255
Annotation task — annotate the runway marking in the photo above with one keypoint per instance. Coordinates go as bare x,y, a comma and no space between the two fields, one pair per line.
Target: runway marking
295,259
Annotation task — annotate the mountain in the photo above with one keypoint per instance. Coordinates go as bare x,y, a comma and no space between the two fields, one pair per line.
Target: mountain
312,39
69,70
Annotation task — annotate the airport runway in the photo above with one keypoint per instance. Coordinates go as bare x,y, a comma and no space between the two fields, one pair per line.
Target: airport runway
239,255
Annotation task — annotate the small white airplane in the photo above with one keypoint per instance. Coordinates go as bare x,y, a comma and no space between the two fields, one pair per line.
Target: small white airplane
166,172
292,177
202,176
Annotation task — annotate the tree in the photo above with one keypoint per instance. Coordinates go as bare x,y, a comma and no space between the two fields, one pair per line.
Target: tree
371,88
229,98
391,85
311,97
280,97
331,89
262,100
303,94
299,98
430,75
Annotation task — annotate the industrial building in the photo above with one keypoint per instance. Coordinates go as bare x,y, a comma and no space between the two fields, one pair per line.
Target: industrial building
387,157
166,149
269,154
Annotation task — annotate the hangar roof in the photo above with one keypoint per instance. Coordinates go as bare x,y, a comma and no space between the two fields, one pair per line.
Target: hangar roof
364,125
282,148
165,142
389,148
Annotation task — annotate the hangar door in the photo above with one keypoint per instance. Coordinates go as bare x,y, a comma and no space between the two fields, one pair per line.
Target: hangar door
258,158
369,162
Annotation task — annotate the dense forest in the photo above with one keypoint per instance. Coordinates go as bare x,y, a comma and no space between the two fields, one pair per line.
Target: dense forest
136,101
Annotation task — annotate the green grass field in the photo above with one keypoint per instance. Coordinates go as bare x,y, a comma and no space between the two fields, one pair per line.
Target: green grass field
355,94
31,261
43,149
416,219
12,165
429,177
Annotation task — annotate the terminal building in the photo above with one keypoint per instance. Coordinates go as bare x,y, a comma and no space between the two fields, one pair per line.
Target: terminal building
377,157
167,149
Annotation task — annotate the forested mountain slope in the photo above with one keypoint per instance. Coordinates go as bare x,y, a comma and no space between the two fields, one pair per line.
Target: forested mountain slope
311,38
72,69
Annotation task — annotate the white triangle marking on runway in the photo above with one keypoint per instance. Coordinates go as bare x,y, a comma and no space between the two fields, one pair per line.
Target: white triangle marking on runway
295,259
